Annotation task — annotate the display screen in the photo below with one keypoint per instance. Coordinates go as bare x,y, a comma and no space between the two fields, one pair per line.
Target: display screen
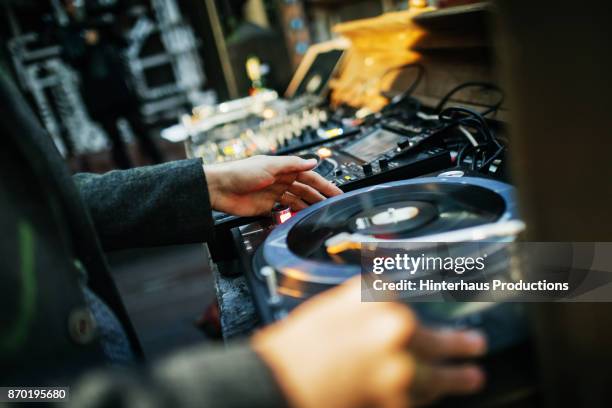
372,146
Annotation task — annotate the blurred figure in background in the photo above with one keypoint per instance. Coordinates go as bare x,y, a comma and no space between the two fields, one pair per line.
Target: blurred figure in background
91,44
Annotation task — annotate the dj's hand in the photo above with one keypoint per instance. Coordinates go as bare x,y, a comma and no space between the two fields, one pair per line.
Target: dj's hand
252,186
336,351
435,379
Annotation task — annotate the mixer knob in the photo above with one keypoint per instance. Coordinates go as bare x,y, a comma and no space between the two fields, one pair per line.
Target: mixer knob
383,164
367,169
323,118
403,143
308,132
339,172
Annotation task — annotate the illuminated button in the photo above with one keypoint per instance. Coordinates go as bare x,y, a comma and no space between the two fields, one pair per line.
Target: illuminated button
281,213
333,132
268,113
347,177
324,153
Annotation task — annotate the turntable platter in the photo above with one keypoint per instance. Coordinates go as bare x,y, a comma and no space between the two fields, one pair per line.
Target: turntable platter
413,209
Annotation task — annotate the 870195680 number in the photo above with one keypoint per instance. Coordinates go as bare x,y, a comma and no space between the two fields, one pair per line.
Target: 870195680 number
27,394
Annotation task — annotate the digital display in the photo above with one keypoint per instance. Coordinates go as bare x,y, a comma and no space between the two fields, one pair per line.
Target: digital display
372,146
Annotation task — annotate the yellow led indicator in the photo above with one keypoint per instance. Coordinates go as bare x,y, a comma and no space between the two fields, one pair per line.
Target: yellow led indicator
333,132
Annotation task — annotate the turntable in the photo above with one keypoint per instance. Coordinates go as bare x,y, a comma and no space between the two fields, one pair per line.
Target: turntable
318,247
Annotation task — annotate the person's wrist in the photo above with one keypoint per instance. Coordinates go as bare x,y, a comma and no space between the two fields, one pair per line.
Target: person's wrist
213,183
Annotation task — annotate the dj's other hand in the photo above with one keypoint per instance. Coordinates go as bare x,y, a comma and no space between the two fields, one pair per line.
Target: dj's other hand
433,378
335,351
252,186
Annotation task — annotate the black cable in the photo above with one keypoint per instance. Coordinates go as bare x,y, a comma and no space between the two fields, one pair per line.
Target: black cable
464,117
454,116
484,85
458,116
461,152
420,73
486,164
458,113
475,158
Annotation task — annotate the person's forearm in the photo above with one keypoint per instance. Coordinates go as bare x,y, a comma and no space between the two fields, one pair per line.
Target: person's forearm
164,204
213,377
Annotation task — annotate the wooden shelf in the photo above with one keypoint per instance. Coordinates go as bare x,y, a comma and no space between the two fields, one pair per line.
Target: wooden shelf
455,18
461,27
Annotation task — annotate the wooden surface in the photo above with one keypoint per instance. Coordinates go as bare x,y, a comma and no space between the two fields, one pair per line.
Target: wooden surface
377,45
453,45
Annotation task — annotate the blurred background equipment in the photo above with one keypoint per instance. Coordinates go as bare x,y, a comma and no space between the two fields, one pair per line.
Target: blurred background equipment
262,123
278,32
174,54
121,66
320,64
53,87
164,62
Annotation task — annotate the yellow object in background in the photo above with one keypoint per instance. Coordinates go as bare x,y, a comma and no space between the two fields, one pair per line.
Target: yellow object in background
377,45
418,3
253,68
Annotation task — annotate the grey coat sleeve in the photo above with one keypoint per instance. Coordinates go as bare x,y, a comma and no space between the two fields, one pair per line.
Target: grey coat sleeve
222,378
164,204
